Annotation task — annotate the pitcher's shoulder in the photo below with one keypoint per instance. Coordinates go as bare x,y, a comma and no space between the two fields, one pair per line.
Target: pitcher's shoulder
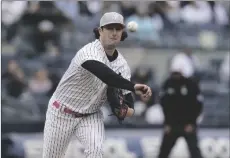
93,46
121,57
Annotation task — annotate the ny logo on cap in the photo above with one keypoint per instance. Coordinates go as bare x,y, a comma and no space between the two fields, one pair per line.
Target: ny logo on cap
115,17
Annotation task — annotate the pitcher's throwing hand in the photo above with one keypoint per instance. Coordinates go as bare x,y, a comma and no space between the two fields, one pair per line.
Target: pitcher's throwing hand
143,90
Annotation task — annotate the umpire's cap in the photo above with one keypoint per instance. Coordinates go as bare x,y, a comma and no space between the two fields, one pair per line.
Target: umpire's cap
112,18
182,64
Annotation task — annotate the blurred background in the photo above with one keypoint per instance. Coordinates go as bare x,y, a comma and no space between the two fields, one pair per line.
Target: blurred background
39,39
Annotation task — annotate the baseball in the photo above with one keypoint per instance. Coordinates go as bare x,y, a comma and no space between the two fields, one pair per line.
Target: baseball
132,26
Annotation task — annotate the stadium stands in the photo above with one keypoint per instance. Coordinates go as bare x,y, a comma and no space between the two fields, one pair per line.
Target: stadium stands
73,35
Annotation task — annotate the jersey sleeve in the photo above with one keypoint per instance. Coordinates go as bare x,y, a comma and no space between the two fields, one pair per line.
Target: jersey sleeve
88,53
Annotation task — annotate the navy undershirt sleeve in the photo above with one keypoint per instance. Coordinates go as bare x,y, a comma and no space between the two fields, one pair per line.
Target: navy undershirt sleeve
107,75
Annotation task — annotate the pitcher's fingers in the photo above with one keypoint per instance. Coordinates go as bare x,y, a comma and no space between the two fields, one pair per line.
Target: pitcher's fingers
148,93
144,89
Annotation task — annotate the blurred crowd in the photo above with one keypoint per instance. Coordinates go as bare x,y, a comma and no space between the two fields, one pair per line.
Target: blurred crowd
37,35
31,21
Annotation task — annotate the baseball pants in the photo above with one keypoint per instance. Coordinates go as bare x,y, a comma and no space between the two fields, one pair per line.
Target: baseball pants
60,128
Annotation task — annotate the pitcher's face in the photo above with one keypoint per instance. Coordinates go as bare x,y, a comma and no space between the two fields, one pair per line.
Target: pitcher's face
111,34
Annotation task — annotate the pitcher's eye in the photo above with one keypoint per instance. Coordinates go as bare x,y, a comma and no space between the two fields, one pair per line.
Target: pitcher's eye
114,26
119,28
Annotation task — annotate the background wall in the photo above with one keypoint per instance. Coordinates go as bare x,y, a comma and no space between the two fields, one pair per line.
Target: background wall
158,59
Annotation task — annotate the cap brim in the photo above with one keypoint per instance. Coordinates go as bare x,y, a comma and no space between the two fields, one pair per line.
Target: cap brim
113,23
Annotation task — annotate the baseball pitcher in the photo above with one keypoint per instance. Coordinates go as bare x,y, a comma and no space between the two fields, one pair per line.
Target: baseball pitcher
97,70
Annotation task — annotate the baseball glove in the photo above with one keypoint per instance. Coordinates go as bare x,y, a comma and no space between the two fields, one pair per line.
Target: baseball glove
117,103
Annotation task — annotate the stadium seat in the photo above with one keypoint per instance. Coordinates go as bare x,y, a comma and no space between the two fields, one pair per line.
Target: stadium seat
4,61
31,66
14,110
41,101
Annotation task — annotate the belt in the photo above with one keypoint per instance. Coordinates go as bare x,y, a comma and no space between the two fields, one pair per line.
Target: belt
69,111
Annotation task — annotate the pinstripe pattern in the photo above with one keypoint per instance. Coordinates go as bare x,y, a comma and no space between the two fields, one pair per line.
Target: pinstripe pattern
58,131
61,127
120,65
90,132
79,89
82,92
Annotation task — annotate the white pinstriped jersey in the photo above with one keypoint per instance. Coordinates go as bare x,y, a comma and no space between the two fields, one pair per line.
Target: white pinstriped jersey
80,90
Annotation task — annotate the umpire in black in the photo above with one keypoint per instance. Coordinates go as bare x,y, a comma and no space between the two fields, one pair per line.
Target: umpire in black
181,103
